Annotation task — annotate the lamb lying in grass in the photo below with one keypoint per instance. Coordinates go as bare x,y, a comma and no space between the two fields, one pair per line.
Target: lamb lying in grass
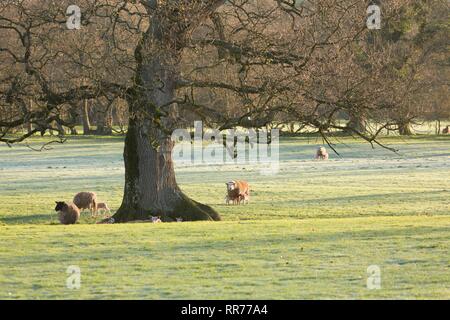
86,200
68,213
156,219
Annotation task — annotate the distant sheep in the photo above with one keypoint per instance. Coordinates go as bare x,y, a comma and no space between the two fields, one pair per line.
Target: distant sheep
322,154
237,192
68,213
446,130
86,200
103,206
156,219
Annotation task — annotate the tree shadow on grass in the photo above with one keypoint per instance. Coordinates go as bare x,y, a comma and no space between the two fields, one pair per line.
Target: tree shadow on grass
28,219
47,218
368,198
415,235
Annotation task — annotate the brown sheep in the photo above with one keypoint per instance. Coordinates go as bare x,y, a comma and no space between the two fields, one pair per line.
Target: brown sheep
237,191
86,200
68,213
322,154
446,130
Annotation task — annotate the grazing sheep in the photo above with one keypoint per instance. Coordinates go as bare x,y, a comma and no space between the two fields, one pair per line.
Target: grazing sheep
68,213
86,200
156,219
446,130
103,206
179,219
237,191
322,154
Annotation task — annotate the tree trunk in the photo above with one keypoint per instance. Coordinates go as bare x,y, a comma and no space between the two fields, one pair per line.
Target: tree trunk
29,124
150,184
404,128
29,127
73,131
85,118
74,115
60,128
104,122
292,127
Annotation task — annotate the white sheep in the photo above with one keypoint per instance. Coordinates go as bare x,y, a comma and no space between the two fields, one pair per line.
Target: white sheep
322,154
156,219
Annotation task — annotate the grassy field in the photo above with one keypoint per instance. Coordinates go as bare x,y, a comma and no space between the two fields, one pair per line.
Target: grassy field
310,231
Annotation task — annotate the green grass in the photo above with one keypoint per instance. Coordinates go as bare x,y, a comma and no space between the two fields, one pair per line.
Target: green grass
310,231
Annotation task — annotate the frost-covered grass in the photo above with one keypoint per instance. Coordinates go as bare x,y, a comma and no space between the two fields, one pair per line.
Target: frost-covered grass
362,182
310,231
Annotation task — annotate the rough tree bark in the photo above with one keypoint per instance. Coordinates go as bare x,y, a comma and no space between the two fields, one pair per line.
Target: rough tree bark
150,184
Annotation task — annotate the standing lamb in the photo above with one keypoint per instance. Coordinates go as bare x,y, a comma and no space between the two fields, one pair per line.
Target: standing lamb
237,191
322,154
244,198
86,200
104,207
68,213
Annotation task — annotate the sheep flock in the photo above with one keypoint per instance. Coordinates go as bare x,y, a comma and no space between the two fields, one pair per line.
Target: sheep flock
237,193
